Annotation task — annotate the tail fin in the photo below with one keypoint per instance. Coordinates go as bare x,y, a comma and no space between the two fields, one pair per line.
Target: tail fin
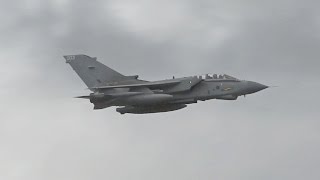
92,72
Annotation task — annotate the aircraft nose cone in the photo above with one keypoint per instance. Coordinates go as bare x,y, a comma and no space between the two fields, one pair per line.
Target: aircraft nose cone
255,87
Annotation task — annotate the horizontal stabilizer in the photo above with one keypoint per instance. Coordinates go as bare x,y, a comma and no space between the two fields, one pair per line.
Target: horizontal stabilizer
113,95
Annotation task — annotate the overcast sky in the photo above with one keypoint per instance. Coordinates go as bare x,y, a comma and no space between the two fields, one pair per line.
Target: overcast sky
273,134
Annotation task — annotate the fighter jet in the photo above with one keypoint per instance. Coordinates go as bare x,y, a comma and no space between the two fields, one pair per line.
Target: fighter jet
132,95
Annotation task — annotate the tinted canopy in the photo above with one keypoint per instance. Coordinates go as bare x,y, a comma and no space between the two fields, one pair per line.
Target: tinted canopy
217,76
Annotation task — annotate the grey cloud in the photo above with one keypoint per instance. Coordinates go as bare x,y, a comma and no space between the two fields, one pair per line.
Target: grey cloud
45,134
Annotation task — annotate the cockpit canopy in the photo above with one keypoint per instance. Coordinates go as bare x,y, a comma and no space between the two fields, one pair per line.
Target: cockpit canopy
217,77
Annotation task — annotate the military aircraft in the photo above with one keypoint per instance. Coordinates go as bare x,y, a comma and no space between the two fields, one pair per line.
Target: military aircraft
132,95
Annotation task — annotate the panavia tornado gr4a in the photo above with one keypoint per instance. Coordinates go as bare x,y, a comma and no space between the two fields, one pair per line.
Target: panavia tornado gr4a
132,95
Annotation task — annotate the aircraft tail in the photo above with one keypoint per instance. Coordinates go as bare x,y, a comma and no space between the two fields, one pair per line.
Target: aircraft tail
92,72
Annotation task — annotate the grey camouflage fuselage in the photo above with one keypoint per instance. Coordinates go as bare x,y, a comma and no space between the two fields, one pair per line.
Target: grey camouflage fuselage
111,88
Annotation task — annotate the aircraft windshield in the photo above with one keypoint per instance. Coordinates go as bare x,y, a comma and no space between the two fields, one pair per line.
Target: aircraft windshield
217,76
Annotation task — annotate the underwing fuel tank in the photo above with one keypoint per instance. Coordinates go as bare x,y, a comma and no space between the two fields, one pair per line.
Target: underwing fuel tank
228,97
150,109
148,99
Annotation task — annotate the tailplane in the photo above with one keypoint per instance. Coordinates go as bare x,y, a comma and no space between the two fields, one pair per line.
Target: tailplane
92,72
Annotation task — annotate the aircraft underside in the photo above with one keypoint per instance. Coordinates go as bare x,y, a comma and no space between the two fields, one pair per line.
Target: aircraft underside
150,109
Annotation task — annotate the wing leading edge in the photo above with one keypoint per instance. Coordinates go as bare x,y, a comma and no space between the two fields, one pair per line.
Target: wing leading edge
147,84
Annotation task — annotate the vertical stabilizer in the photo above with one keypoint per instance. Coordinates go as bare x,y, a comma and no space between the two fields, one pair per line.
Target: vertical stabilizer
92,72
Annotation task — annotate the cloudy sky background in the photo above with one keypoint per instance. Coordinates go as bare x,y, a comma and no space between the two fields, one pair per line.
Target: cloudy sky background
274,134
